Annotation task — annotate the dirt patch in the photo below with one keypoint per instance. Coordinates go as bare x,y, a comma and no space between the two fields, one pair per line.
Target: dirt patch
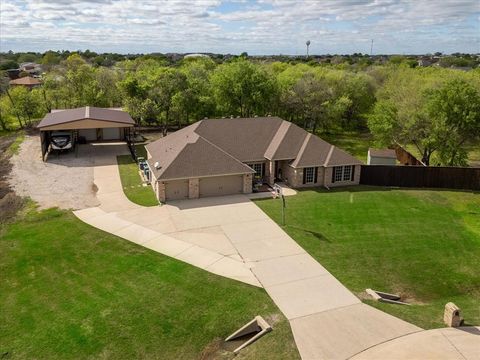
9,202
214,351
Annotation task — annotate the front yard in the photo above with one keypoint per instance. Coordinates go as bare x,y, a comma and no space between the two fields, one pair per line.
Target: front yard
423,244
70,291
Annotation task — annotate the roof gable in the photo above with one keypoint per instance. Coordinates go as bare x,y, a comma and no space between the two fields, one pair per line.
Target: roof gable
188,155
291,143
340,157
83,113
245,139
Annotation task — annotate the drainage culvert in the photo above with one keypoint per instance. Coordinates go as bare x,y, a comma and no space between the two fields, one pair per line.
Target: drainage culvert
247,334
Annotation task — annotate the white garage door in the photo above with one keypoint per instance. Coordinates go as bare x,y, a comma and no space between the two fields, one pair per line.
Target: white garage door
176,190
88,134
111,134
221,185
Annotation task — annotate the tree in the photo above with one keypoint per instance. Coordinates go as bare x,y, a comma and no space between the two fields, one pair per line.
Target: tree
196,100
25,105
242,88
165,87
400,116
9,64
50,59
455,110
7,119
436,110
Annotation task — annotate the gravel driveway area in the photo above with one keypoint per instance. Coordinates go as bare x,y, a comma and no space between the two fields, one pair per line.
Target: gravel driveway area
65,180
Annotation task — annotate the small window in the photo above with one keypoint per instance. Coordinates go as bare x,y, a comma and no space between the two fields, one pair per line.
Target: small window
338,173
309,175
347,172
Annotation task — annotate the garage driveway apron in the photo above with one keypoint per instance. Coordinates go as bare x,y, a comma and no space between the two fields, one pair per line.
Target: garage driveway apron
230,236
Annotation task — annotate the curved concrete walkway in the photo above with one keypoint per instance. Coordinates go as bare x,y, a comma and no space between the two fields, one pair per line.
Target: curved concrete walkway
230,236
439,344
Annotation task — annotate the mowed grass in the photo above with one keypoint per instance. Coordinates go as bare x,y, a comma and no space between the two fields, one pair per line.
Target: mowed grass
356,143
422,244
132,183
70,291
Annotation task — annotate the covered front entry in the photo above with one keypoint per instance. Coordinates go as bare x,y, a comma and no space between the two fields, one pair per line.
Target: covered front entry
221,185
176,190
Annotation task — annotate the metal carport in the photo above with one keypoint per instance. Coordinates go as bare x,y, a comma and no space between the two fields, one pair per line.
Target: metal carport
86,121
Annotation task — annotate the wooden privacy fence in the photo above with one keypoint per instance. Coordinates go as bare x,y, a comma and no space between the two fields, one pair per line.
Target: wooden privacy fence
421,176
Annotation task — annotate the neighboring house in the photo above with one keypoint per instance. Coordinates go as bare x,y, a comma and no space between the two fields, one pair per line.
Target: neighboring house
226,156
424,62
381,157
31,68
27,81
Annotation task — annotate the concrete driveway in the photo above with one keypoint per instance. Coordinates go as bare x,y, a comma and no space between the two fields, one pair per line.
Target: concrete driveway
230,236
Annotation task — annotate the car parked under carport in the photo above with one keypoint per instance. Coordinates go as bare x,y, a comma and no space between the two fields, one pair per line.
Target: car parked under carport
85,124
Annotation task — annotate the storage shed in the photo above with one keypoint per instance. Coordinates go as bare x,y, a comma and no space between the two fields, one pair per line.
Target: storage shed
381,157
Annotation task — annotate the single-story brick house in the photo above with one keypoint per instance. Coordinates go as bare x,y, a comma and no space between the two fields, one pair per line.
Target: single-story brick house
225,156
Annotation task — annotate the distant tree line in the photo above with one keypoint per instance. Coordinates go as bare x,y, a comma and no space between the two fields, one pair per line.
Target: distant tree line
436,109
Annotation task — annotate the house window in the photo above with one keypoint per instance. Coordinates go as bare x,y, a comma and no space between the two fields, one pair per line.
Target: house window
338,171
343,173
309,175
258,168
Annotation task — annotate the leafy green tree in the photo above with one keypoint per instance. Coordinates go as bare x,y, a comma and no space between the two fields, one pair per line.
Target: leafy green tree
242,88
9,64
400,115
455,110
196,101
7,118
166,86
433,109
50,59
25,105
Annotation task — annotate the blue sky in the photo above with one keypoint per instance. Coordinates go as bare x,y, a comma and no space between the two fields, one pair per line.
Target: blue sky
254,26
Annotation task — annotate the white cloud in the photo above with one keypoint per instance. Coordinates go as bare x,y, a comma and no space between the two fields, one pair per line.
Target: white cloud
263,26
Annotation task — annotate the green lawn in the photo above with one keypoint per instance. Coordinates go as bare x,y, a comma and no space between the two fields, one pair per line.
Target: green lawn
423,244
355,143
70,291
132,183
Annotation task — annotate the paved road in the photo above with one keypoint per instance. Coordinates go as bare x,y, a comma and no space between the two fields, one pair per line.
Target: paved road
232,237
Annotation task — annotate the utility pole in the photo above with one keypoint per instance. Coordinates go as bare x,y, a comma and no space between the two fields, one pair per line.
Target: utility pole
371,48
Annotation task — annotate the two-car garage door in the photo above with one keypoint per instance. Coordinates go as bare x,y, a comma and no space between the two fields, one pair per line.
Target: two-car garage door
221,185
211,186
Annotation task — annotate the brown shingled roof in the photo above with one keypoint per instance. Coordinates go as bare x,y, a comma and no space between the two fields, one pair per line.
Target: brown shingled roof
87,112
27,80
246,139
384,153
222,146
185,154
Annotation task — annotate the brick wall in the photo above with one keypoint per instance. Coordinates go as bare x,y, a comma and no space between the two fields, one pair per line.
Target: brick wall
247,183
193,188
